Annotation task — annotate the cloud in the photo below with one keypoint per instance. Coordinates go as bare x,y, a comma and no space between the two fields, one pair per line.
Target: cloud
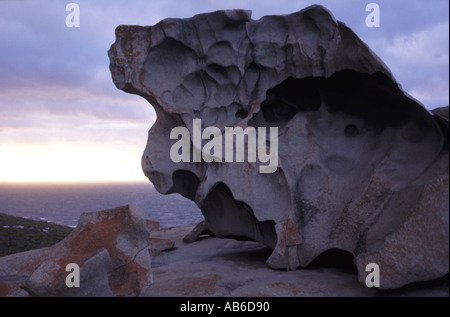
37,47
427,47
56,89
67,101
420,62
44,114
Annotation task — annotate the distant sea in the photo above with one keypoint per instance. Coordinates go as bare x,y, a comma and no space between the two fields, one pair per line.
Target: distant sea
64,203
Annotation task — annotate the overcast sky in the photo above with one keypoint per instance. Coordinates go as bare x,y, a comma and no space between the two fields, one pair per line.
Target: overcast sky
61,117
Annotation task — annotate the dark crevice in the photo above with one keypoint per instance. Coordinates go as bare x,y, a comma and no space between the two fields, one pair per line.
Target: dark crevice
375,98
289,98
335,258
241,114
185,183
231,218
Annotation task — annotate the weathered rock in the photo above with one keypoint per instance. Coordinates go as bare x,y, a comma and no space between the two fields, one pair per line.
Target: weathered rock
152,225
200,229
49,279
156,245
110,248
362,166
16,268
226,267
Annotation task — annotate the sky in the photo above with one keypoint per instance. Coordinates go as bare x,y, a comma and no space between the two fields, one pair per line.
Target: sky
62,118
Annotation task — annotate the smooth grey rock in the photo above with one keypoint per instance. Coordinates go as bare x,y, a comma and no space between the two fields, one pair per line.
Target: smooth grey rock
361,165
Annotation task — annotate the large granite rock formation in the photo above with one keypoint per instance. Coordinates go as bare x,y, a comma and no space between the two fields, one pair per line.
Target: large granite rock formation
360,165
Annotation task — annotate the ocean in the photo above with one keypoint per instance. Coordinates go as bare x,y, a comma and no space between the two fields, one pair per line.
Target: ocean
64,203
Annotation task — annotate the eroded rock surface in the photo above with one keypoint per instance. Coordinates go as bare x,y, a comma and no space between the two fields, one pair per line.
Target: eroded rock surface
362,167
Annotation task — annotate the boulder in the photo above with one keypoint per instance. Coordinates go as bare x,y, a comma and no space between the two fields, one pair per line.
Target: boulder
201,229
109,247
326,152
157,245
49,279
152,225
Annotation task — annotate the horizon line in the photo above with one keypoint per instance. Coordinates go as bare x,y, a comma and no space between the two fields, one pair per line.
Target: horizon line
74,181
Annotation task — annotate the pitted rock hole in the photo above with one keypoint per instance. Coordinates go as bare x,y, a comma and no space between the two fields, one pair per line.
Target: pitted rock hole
289,98
335,258
185,183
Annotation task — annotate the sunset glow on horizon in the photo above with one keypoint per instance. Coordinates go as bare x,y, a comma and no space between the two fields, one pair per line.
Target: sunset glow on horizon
69,163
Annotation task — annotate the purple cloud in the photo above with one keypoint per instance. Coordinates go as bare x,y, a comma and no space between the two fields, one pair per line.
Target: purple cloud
55,80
